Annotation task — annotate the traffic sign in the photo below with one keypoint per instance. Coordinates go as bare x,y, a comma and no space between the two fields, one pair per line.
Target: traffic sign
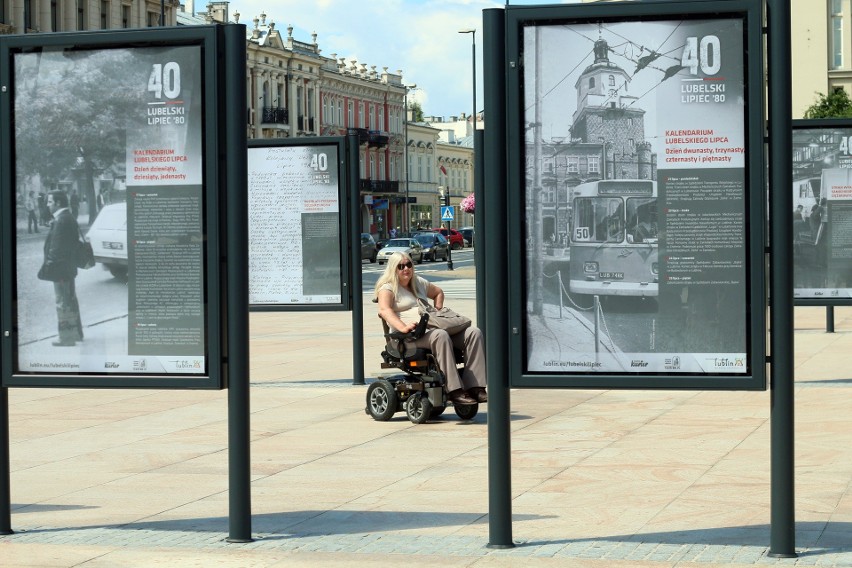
447,212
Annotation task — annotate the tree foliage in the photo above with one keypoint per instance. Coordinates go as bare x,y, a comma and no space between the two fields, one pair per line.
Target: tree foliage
416,112
72,111
834,105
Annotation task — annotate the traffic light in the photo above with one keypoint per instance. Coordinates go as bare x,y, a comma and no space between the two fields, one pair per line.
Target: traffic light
447,197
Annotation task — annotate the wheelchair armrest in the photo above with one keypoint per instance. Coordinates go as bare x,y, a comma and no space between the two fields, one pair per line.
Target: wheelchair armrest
421,326
416,333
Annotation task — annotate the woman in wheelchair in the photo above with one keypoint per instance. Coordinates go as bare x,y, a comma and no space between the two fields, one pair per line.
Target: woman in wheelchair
396,292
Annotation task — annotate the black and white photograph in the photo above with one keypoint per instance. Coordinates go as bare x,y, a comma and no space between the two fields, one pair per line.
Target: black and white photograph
822,213
635,197
295,253
110,266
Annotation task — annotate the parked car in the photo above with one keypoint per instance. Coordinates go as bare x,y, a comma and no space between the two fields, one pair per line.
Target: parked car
435,246
380,243
467,233
408,245
454,237
108,237
369,250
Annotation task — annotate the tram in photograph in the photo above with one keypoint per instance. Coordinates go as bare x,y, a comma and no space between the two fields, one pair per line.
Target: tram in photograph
614,240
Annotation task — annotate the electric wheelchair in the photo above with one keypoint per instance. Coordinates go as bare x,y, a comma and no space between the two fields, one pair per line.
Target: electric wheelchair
419,390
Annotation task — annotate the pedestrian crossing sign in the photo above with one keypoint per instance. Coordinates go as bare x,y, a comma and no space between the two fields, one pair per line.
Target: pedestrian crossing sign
447,212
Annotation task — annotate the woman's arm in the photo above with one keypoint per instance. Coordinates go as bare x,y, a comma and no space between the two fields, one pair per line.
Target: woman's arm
435,294
390,316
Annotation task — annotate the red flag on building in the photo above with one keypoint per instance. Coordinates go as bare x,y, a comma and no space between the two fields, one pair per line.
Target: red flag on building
443,170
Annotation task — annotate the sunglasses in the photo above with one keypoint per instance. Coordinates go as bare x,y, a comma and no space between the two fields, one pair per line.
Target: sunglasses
404,265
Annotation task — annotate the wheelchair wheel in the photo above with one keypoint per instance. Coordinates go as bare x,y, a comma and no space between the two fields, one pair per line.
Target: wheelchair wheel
382,400
418,408
466,411
437,411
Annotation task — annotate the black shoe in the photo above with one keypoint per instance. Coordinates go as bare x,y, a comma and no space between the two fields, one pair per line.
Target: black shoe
461,398
479,394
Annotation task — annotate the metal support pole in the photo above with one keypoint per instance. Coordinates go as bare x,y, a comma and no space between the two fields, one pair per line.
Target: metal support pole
235,201
782,515
352,151
597,308
478,227
829,319
5,466
494,216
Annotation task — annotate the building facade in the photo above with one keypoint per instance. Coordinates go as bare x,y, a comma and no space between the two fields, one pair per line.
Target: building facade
293,90
39,16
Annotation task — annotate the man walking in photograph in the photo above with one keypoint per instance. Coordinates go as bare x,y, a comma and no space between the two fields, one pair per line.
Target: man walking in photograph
60,267
32,207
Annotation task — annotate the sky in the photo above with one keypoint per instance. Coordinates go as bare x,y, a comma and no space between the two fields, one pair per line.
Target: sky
420,37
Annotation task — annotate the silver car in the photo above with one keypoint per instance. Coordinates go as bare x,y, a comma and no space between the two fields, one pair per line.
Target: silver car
108,237
410,246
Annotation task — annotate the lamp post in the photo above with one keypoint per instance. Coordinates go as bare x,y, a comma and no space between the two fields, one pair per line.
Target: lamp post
472,33
406,226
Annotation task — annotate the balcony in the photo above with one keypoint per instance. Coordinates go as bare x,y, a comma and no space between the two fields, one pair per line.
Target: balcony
377,139
362,133
378,186
275,115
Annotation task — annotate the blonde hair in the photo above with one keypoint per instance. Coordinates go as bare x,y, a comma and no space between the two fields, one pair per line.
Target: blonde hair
391,274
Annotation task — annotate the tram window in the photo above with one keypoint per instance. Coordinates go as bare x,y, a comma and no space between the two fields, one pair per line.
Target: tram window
599,220
642,220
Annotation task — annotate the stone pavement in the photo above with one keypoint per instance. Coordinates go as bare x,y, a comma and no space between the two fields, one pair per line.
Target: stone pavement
113,478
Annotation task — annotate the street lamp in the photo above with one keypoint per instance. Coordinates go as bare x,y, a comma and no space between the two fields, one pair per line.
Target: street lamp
407,209
472,33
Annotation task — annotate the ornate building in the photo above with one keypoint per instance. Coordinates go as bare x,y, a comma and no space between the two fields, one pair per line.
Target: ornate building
292,90
35,16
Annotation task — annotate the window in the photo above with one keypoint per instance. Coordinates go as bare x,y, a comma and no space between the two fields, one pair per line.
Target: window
591,82
54,15
598,219
153,19
81,16
381,119
372,117
104,14
29,15
429,168
573,164
125,16
836,34
419,168
372,167
612,80
594,164
641,219
3,11
381,166
351,114
361,123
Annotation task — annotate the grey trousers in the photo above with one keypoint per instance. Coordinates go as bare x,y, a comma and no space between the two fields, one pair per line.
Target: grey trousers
68,311
470,343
